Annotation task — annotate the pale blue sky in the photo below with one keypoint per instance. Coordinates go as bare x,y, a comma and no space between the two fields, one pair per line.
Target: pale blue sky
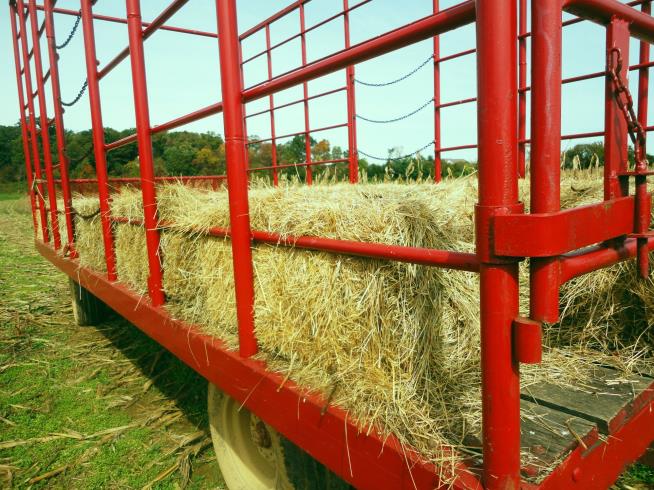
183,73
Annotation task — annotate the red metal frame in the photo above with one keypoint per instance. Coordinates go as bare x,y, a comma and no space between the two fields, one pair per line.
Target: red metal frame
562,244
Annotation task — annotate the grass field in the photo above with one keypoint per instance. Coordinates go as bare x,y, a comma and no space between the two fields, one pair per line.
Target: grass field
88,407
97,407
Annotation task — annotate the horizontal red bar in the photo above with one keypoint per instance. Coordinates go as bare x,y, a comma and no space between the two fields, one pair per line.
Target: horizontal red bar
439,23
298,101
306,31
454,148
303,164
119,20
597,257
136,180
552,234
456,102
414,255
325,128
175,123
641,25
276,16
455,55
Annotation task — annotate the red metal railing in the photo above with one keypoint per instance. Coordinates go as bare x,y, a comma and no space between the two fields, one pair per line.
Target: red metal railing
562,244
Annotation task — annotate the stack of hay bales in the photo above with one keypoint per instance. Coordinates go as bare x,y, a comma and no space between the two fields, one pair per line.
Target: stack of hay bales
395,344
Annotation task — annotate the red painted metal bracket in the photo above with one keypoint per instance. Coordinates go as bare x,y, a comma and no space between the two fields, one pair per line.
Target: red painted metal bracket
552,234
527,340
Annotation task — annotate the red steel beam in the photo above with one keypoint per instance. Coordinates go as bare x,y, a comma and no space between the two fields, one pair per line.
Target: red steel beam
298,101
271,110
276,16
436,51
36,160
59,122
305,94
298,133
616,138
549,234
352,145
23,122
597,257
446,20
641,25
146,159
118,20
415,255
367,460
175,123
153,26
97,128
237,177
522,82
498,194
545,175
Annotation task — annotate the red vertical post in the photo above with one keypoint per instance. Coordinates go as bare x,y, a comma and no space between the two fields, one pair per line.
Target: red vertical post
23,121
33,131
237,179
97,127
305,91
271,106
522,85
146,160
59,121
437,102
353,155
643,215
545,147
45,125
615,126
498,194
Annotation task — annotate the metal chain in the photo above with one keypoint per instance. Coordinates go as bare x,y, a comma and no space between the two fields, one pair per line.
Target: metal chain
394,159
626,104
384,84
79,95
72,33
395,119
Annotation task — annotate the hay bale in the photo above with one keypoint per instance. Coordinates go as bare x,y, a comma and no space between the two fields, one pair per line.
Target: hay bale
395,344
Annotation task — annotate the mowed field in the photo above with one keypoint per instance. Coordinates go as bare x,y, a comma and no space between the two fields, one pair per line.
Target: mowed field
88,407
102,406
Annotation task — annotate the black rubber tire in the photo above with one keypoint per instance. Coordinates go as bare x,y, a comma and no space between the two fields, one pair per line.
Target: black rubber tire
306,473
87,308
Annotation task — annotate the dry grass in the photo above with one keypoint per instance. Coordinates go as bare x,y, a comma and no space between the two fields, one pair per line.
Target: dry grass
395,344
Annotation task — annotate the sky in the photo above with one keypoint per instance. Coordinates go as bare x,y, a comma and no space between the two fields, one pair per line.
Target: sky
183,73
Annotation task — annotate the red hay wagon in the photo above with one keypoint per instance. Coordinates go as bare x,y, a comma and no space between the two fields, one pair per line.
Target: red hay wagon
612,429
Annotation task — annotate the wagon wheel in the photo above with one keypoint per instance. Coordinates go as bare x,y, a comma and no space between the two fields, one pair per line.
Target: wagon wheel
87,308
254,456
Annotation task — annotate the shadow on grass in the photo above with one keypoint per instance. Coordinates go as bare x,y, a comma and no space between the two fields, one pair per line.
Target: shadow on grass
171,377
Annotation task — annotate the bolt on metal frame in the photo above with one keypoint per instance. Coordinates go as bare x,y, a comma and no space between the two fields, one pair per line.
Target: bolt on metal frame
561,244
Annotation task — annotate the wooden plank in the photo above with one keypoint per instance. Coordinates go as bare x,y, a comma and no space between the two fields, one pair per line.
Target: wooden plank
547,436
607,399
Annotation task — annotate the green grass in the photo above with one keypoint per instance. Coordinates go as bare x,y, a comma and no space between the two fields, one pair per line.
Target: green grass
12,190
88,407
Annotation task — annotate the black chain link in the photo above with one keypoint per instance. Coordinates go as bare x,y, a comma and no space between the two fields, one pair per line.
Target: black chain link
395,119
79,95
72,33
626,105
384,84
394,159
